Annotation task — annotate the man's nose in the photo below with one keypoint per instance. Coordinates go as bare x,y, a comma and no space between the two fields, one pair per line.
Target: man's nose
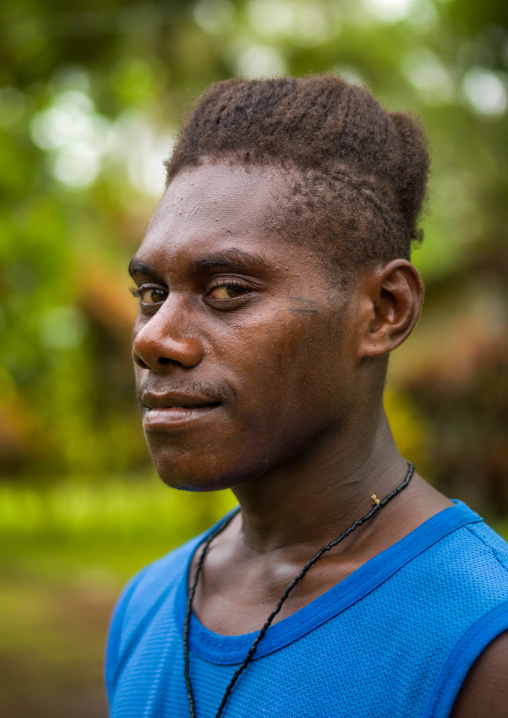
166,339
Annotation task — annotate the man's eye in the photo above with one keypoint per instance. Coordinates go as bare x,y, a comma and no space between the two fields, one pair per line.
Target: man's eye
227,291
150,295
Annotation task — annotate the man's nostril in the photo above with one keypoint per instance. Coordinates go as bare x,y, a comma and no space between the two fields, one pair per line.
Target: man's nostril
140,362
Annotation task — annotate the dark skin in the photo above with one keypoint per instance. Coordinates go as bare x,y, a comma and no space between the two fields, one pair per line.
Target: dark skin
256,372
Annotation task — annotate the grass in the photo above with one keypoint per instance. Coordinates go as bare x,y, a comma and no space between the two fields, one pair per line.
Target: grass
66,551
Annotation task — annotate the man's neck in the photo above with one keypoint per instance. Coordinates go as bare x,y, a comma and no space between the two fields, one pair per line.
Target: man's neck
304,501
289,515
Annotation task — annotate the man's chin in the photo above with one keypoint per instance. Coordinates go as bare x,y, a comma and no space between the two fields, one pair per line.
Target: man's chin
195,478
201,475
201,484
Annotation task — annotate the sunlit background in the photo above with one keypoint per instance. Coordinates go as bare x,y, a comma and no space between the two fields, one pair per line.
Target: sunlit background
91,97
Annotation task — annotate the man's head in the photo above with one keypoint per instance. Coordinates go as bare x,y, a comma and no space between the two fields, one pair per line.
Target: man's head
249,351
355,173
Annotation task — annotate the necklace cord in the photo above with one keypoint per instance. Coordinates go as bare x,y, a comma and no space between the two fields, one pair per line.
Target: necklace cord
294,582
199,565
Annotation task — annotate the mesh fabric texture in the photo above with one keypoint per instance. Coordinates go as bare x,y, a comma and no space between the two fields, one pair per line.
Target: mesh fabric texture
394,639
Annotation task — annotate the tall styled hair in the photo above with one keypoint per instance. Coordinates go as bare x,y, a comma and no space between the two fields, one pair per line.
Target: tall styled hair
356,173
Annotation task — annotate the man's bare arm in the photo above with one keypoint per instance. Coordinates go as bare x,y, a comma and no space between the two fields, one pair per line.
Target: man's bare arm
485,690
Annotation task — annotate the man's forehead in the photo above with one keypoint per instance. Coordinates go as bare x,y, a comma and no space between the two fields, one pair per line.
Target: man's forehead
219,207
218,191
210,207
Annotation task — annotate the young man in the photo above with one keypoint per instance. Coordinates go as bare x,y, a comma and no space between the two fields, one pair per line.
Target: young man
274,280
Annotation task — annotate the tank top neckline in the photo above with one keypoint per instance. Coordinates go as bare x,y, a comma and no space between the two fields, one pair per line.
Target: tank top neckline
228,650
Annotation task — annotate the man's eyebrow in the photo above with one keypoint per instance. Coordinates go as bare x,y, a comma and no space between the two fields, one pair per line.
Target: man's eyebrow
137,266
234,259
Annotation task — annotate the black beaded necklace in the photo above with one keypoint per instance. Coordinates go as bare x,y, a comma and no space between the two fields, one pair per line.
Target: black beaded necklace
192,705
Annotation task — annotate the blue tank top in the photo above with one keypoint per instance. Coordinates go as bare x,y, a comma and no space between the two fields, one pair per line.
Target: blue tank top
394,639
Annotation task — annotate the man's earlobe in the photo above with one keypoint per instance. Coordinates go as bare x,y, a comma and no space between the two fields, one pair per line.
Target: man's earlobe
392,296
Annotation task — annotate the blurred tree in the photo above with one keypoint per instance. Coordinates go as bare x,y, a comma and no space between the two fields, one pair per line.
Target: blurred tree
90,99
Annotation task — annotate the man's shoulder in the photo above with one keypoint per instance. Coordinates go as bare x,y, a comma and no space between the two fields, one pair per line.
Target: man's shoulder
478,551
160,577
485,535
450,574
158,582
467,547
151,590
468,583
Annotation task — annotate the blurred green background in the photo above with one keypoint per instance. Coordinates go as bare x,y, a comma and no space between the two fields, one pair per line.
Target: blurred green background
91,97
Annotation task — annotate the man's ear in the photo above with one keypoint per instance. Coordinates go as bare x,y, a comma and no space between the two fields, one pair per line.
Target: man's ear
391,297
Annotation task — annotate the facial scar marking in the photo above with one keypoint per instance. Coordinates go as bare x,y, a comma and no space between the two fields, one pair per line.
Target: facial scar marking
301,299
303,311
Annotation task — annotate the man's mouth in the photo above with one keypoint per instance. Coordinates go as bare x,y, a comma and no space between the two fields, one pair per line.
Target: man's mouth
172,408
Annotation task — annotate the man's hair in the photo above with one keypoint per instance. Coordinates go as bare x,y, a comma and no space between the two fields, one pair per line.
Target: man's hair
356,174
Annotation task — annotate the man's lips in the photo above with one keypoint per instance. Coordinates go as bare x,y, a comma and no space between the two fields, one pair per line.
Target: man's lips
173,408
177,400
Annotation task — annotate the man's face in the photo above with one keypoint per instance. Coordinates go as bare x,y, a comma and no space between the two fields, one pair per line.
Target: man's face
244,350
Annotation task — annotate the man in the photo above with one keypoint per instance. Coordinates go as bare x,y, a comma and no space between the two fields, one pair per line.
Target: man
274,280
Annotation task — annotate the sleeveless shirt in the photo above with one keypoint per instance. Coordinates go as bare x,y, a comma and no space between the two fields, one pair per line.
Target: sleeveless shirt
395,639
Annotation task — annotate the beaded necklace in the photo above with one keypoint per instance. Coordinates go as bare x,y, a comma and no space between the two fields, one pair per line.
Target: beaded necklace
378,504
